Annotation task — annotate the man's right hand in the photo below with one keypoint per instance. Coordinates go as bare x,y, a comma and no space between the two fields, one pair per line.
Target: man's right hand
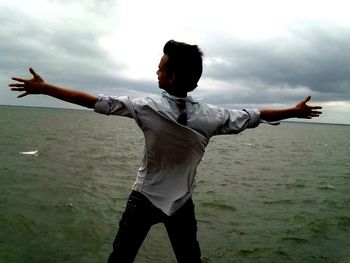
36,85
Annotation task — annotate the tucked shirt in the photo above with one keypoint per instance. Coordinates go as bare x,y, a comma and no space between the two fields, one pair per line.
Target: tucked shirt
173,151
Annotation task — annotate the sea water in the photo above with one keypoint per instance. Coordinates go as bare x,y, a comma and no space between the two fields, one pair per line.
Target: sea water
270,194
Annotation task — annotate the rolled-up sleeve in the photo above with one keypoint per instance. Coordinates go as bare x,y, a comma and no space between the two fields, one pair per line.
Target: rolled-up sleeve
254,117
121,106
236,121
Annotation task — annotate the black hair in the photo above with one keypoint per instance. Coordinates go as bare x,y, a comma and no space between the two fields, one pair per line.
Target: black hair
185,62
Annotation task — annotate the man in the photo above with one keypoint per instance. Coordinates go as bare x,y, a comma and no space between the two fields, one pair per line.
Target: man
177,130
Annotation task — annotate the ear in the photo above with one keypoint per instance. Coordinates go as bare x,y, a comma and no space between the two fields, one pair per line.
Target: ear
172,79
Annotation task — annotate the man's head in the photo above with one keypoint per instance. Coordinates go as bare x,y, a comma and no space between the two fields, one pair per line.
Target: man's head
180,68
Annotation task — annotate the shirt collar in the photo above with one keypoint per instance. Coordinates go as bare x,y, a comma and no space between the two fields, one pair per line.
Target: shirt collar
175,99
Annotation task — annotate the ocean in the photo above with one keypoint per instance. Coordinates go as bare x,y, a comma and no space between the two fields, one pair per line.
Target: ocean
270,194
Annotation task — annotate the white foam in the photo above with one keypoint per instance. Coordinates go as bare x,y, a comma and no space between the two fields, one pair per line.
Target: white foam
30,152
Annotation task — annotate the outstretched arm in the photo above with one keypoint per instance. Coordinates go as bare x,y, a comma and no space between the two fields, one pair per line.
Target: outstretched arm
37,85
301,110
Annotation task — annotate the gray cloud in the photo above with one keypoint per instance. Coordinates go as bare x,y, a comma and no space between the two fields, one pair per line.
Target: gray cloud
66,55
316,57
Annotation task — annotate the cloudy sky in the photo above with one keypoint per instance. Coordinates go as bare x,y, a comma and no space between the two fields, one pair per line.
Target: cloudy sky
269,53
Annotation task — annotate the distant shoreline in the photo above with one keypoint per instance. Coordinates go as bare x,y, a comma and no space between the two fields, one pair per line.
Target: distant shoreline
83,109
43,107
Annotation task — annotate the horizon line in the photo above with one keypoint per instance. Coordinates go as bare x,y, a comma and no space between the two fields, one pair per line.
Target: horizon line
81,108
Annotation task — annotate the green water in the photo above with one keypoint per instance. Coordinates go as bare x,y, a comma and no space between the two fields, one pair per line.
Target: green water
272,194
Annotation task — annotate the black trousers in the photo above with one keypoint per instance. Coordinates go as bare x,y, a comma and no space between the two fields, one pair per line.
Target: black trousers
138,218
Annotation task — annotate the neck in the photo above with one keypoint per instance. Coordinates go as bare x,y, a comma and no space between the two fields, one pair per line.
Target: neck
177,93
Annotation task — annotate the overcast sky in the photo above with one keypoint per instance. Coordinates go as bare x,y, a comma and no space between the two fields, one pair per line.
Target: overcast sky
257,53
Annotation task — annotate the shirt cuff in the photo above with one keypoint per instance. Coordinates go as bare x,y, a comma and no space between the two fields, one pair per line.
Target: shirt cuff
107,105
254,117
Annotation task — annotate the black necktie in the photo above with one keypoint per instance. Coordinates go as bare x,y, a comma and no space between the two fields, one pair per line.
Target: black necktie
182,118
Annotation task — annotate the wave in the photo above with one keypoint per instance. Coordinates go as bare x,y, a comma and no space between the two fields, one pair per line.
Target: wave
215,205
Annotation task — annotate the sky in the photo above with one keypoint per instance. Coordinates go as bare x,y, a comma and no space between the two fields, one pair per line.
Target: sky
257,54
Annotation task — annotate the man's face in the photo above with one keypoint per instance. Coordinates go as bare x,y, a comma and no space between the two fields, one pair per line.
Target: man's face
164,82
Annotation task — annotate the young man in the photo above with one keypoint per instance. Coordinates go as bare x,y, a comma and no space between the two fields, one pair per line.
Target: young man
177,130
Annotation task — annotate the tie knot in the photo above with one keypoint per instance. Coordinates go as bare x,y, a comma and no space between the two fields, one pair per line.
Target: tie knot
181,104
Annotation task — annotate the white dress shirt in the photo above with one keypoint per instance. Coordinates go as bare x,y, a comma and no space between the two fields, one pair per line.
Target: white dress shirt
173,151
